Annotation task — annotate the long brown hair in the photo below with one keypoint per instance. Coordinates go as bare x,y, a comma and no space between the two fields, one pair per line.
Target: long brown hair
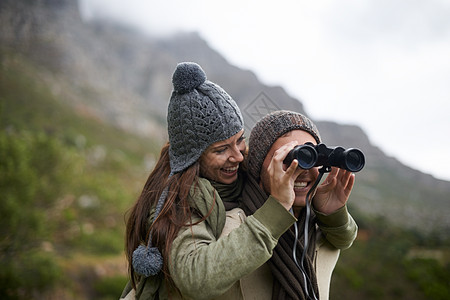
174,214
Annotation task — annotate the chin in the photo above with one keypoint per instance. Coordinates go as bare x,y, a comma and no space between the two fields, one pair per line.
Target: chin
301,202
227,180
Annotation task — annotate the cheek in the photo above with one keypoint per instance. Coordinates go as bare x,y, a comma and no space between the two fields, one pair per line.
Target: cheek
220,161
264,179
203,169
242,146
205,164
211,162
314,173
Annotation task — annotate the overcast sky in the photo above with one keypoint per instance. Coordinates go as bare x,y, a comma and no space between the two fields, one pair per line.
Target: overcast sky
383,65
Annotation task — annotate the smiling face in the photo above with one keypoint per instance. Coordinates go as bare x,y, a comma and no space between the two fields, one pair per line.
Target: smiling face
305,180
220,161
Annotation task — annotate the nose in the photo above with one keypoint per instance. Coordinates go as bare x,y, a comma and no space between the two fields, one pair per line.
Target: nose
236,155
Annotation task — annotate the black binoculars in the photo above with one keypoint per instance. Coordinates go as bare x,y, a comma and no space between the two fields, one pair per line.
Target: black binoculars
310,155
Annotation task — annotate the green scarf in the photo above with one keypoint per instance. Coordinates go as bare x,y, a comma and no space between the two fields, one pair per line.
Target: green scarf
212,199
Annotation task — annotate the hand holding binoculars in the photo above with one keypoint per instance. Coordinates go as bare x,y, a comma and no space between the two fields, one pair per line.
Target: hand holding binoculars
310,155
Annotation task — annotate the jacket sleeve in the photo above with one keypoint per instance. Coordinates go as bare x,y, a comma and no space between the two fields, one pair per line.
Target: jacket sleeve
339,227
204,267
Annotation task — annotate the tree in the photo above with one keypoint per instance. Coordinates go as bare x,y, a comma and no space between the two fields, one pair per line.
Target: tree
33,168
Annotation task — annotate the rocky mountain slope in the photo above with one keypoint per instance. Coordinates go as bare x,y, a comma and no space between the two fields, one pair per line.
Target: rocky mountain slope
122,76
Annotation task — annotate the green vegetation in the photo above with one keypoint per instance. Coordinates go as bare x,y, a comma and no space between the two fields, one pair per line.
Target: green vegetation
67,179
28,188
66,182
382,264
432,278
110,287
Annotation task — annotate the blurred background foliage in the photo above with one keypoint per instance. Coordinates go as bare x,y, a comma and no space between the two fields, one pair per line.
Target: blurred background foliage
66,182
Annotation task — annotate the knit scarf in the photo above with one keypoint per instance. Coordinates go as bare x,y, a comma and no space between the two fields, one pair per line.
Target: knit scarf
229,193
288,279
213,208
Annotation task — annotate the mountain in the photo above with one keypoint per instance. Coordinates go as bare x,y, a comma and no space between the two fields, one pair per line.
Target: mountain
122,77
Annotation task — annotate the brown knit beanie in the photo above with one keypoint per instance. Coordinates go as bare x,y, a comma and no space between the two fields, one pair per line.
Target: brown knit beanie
268,130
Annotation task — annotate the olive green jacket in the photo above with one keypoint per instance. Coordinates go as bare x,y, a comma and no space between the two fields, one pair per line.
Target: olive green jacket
214,260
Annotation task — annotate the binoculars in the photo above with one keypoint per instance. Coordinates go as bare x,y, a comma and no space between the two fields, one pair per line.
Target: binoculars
310,155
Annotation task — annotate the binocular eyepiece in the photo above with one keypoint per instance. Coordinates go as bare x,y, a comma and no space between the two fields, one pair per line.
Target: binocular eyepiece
310,155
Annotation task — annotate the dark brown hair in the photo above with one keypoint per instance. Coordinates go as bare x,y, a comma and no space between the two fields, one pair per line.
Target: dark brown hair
175,213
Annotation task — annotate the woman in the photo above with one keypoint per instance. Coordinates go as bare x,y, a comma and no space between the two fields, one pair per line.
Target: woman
301,266
197,173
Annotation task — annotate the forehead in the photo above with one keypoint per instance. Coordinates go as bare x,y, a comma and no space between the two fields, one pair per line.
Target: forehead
299,136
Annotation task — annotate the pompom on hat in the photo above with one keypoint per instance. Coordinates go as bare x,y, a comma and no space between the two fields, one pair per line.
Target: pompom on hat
267,130
200,113
187,76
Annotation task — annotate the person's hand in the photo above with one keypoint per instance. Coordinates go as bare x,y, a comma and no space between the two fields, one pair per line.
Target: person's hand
333,193
281,180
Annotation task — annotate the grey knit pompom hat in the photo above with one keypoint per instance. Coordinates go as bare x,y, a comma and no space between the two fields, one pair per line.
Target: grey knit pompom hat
200,113
267,130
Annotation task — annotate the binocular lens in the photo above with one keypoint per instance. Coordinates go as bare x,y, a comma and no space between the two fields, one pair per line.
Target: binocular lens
306,157
354,160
